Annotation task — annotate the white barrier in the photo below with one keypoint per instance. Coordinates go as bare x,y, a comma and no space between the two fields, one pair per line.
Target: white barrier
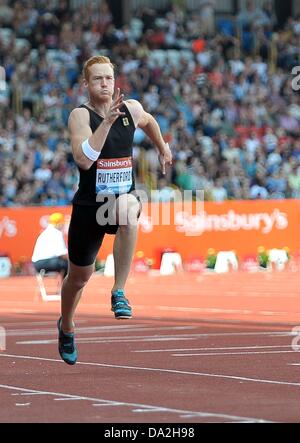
171,262
279,258
5,267
41,278
226,260
109,269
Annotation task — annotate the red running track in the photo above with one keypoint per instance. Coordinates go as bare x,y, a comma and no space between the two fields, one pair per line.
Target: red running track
200,348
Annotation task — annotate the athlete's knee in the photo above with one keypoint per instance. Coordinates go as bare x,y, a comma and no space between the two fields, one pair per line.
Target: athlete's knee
78,277
76,281
128,209
127,228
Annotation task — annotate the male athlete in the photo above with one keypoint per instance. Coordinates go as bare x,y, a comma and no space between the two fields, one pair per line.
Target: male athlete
101,133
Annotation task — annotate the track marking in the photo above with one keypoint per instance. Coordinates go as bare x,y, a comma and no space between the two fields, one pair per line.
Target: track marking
113,403
154,410
67,399
18,311
107,340
210,349
147,408
97,329
222,311
231,353
27,393
162,370
200,335
36,323
141,338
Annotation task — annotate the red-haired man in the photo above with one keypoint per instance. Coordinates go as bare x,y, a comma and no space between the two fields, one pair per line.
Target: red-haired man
102,132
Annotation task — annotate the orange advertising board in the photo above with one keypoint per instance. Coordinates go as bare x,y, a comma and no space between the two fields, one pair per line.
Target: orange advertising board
242,226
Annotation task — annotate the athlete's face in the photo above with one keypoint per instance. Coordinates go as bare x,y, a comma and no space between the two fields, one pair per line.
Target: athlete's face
101,83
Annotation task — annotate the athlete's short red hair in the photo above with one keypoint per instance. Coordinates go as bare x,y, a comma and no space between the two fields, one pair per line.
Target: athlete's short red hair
102,59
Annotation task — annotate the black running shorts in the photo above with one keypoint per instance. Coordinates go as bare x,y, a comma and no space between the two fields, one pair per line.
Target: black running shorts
86,235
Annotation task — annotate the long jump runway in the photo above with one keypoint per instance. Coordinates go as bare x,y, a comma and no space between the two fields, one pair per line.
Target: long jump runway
223,349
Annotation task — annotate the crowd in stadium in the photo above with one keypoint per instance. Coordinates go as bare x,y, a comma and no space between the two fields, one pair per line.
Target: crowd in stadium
221,90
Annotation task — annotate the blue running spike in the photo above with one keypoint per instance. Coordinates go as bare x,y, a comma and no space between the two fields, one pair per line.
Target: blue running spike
66,345
120,305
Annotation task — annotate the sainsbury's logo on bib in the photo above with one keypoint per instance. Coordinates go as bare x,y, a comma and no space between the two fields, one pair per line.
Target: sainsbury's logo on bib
114,176
115,163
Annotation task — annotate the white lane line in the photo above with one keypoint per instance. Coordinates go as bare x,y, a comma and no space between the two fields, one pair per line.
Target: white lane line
187,416
27,394
222,311
112,403
35,323
161,370
206,310
111,340
151,338
18,311
67,399
97,329
231,353
87,330
210,349
148,408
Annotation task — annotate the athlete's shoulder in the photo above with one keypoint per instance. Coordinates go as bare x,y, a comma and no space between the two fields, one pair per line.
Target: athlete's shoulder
79,114
136,110
80,110
134,106
133,102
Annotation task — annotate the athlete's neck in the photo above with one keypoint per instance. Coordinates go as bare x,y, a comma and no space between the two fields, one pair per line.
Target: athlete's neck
101,108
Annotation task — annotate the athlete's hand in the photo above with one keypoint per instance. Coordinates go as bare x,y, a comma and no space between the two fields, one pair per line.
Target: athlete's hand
165,158
113,112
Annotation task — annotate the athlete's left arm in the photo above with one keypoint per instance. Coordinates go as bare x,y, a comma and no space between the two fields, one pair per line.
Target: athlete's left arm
149,125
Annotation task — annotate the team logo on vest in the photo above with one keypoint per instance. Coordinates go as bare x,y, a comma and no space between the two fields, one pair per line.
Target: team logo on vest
125,121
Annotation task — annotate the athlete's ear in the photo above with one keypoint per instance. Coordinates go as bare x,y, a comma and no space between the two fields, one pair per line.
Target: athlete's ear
85,83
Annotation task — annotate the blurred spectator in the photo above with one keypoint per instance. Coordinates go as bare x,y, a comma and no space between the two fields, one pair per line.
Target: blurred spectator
164,193
218,192
294,181
207,15
50,251
252,16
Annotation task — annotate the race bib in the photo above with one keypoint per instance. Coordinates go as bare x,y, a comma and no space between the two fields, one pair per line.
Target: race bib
114,176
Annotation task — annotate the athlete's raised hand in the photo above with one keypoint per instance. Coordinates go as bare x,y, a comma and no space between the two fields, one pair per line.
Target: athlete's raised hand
165,158
114,111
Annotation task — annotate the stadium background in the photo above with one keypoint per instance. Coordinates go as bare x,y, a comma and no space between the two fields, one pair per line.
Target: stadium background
217,77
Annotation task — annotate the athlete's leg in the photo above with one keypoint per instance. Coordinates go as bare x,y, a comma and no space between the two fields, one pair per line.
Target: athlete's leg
84,240
71,292
128,208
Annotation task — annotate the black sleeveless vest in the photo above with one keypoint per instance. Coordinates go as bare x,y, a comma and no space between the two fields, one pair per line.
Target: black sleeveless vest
113,171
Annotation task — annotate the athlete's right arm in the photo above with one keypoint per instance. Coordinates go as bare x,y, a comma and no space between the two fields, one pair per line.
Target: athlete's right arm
80,130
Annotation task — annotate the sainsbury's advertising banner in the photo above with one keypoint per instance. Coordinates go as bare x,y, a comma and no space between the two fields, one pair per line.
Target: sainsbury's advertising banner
242,226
